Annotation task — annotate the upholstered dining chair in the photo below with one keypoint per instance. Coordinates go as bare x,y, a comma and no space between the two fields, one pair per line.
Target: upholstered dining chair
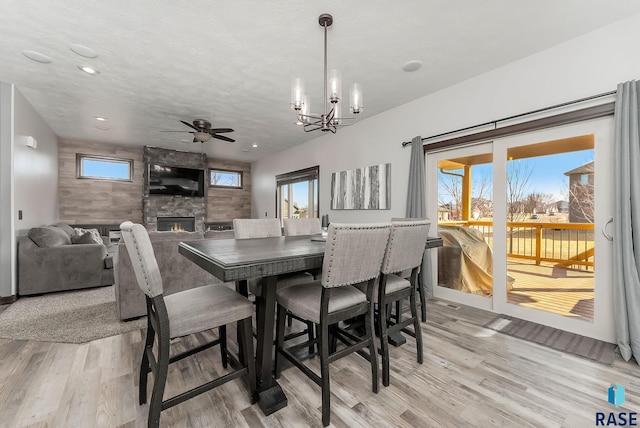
182,314
301,226
353,255
266,228
404,252
422,292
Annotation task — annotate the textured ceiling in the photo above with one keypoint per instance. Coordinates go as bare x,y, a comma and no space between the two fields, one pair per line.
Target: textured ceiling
232,62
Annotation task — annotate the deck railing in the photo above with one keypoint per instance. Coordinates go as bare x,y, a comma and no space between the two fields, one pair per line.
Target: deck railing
566,244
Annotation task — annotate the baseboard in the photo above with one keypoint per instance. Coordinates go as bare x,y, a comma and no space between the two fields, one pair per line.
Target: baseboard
8,299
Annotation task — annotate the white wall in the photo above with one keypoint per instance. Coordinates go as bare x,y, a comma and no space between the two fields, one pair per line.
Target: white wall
584,66
35,172
28,178
7,236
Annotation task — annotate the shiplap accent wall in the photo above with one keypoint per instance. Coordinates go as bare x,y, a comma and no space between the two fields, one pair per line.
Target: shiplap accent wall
87,201
227,204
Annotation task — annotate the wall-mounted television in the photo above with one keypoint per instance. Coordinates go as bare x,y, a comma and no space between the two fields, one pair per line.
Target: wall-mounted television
177,181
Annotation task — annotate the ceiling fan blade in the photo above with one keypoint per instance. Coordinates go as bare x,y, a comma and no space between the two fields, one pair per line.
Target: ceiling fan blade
189,125
219,130
223,138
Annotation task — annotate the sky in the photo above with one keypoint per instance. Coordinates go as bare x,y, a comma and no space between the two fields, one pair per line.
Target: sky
547,172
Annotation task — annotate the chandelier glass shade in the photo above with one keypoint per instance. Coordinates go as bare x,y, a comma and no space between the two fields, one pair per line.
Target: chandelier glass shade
332,117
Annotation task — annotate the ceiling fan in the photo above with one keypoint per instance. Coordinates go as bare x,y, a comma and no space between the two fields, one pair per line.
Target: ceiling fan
202,131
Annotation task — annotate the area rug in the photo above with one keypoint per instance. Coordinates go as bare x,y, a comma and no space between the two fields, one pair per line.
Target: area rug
68,317
592,349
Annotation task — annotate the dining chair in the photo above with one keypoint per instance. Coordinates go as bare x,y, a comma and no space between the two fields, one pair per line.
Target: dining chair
181,314
301,226
422,292
403,253
266,228
353,255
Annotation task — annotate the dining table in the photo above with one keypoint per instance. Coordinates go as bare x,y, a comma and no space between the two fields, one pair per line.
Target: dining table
237,260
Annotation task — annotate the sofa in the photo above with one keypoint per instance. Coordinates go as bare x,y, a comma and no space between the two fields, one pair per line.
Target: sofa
177,272
59,257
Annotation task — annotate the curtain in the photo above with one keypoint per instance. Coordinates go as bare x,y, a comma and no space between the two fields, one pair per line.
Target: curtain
416,203
626,238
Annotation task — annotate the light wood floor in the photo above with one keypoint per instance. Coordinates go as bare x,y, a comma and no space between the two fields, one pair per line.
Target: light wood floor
471,376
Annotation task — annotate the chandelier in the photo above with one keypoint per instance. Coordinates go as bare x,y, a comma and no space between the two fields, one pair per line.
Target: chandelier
332,118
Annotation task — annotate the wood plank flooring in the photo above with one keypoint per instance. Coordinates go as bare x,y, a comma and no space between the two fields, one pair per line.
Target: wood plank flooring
471,376
549,288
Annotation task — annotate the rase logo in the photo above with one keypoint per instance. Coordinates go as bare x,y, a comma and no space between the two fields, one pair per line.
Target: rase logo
615,396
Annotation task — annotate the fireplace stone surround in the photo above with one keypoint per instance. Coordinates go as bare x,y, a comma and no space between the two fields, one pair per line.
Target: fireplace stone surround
155,206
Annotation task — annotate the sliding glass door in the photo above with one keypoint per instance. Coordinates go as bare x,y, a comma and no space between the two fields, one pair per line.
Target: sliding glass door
522,220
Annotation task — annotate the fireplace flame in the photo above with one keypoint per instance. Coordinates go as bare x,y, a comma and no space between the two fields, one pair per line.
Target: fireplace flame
177,228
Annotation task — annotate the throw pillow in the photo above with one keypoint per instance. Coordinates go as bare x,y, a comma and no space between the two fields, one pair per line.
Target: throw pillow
86,238
94,236
49,236
68,229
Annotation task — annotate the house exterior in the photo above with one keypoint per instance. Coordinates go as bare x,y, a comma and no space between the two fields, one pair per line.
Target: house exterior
581,193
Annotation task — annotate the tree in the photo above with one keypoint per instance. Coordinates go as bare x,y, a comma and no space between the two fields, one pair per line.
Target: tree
582,201
518,176
536,202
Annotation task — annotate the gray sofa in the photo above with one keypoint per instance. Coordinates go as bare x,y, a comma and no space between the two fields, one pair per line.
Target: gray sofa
177,272
58,258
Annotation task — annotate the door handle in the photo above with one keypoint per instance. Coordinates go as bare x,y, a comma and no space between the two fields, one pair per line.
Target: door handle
608,236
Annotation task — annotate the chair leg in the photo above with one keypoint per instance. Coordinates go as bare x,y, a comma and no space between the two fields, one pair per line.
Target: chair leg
160,378
369,330
246,329
423,297
222,331
324,374
311,334
145,368
280,319
416,327
383,316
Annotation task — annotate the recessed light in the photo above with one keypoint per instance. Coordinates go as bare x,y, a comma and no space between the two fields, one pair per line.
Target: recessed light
413,65
254,145
89,70
103,127
83,51
100,118
36,56
244,150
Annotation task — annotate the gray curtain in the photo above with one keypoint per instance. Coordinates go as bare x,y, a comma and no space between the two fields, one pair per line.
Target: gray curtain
416,202
626,221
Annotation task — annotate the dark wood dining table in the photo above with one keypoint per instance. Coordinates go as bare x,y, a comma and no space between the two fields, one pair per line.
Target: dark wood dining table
238,260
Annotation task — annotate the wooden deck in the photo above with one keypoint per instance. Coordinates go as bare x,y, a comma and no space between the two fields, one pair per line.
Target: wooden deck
552,288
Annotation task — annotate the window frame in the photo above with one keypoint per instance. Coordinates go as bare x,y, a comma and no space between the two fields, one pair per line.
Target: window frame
80,157
302,175
235,171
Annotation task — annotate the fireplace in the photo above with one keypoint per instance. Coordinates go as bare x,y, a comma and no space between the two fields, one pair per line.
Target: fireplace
177,224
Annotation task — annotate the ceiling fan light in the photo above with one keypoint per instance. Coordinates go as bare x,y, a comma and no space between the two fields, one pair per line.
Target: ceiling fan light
202,136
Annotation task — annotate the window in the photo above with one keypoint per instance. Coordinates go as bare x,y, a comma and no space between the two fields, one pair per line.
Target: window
103,168
584,178
224,178
297,193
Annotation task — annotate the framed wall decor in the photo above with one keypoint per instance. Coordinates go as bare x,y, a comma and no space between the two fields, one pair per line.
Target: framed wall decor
366,188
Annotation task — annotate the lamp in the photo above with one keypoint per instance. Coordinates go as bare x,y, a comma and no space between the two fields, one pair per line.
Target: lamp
332,117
